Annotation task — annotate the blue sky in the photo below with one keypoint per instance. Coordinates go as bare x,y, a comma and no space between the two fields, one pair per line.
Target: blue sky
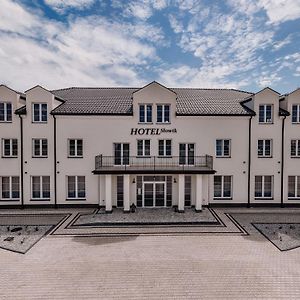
188,43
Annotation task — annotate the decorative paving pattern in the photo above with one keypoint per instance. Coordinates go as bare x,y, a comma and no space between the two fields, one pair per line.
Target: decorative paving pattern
20,232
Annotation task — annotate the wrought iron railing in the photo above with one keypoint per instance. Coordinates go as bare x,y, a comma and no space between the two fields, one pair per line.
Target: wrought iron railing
153,162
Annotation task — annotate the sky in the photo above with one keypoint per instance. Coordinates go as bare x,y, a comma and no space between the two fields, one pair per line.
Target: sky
240,44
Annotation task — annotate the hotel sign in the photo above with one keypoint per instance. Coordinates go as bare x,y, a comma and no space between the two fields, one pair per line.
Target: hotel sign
151,131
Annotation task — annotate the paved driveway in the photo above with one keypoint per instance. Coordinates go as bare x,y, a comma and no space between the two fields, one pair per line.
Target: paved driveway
216,266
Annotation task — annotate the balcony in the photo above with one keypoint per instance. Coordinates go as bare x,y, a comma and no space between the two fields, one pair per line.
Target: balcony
153,165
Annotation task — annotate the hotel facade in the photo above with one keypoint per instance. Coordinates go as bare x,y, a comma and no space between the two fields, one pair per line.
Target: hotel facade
152,147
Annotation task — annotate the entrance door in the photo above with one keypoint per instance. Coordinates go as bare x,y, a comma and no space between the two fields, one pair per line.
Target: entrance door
154,194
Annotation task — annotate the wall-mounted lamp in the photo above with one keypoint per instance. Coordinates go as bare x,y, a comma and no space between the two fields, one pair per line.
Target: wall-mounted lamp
133,180
175,181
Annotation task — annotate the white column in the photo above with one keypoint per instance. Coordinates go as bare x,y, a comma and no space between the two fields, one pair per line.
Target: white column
108,193
126,193
199,192
181,193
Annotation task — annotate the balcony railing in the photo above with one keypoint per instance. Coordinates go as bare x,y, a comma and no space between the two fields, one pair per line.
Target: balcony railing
153,164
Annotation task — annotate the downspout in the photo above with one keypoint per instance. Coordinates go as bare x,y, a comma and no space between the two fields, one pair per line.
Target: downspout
55,167
22,162
249,161
282,159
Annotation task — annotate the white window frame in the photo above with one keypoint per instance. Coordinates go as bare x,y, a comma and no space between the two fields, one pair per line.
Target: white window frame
222,149
145,105
264,148
5,112
163,113
76,148
11,148
263,187
297,147
10,189
296,192
41,188
143,148
165,148
222,187
40,147
298,114
266,121
76,188
40,112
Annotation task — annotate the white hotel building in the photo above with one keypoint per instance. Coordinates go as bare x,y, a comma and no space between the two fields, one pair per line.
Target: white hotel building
152,147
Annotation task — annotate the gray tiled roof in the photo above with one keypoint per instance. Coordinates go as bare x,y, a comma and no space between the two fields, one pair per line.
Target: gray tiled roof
119,101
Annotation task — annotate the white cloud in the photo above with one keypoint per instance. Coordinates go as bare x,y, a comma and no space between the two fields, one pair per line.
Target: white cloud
62,5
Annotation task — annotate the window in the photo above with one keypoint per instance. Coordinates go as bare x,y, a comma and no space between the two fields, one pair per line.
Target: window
143,147
76,187
165,147
10,188
187,190
5,112
145,113
186,154
9,147
222,148
40,187
294,187
39,147
163,113
121,153
265,113
75,148
222,186
264,148
295,148
39,112
296,113
120,191
263,186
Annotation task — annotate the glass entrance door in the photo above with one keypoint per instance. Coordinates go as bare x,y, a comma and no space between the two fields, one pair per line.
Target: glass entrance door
154,194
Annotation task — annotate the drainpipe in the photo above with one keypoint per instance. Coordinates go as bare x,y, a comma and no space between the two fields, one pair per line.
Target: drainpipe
55,167
282,159
22,162
249,162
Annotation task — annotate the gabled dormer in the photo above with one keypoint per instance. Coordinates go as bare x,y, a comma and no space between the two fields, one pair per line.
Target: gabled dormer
292,104
154,104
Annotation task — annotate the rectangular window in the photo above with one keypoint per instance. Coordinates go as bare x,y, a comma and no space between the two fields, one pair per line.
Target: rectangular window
264,148
296,113
263,186
222,186
165,147
143,147
295,148
40,187
39,147
121,151
10,188
39,112
9,147
76,187
163,113
145,113
5,112
187,190
186,154
120,191
223,148
75,148
265,113
294,187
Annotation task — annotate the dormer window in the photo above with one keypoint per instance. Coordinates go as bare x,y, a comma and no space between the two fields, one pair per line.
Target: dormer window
145,111
5,112
163,113
39,112
296,113
265,114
